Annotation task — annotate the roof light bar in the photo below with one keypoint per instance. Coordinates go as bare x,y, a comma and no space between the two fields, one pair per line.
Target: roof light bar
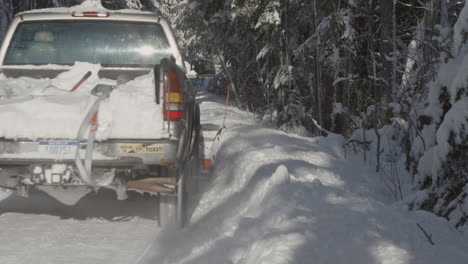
90,14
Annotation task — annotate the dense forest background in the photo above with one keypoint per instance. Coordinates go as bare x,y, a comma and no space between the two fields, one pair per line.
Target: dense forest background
390,76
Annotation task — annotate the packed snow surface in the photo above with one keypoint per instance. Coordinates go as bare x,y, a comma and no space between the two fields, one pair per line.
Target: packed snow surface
86,5
45,108
272,197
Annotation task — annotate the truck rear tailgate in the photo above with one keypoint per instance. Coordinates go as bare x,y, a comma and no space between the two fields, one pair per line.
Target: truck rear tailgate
115,153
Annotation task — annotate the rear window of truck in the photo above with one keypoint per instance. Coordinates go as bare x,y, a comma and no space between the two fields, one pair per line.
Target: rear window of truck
109,43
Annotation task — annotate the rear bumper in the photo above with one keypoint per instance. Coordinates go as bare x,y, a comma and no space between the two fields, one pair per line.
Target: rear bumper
111,153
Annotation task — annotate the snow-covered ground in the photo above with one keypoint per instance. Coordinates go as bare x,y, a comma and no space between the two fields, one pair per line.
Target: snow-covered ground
272,198
98,229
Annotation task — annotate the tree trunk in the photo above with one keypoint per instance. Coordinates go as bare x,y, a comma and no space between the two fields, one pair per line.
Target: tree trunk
231,80
431,18
6,11
284,58
386,91
316,93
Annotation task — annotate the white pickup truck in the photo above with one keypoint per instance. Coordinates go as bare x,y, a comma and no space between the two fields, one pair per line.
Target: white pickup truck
95,99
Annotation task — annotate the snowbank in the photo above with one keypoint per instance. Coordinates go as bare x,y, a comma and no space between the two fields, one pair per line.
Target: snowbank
44,108
279,198
443,169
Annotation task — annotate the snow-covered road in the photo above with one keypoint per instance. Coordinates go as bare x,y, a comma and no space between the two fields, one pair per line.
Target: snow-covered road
98,229
272,198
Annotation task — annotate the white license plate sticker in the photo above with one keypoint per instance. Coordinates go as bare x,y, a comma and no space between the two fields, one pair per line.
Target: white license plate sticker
142,148
58,146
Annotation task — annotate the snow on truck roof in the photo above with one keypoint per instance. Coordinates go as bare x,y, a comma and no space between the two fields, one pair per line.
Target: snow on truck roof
86,6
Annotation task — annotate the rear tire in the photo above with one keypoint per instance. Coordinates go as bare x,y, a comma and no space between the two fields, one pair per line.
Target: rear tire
172,207
167,211
194,159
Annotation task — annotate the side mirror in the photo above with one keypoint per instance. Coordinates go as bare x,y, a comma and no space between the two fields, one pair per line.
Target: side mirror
203,68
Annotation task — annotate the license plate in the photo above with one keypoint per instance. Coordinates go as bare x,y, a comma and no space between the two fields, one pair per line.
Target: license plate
141,148
58,146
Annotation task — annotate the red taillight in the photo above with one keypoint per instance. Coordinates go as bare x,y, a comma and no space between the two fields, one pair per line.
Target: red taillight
172,115
90,14
172,95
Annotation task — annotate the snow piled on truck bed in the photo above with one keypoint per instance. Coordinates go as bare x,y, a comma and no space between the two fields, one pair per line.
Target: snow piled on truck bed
45,108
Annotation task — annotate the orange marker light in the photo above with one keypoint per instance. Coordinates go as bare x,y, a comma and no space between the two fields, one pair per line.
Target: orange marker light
206,164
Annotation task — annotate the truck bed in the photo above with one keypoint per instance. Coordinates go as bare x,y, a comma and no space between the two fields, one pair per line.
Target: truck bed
45,108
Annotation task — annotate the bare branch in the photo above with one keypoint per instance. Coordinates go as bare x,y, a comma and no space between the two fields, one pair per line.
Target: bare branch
428,236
